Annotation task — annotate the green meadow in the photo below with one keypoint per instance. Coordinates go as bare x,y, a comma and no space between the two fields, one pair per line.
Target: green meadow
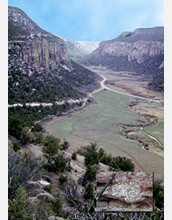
156,131
100,122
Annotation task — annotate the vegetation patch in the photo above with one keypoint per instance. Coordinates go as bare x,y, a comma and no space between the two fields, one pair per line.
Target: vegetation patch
100,124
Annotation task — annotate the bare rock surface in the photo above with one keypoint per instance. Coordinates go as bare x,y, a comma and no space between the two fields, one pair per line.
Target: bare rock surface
39,68
141,52
127,191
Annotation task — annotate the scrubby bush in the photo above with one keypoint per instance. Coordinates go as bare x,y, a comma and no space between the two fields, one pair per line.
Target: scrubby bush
22,169
101,153
65,145
89,192
14,126
62,179
74,156
91,156
51,146
37,128
16,147
118,163
59,163
158,192
39,138
90,173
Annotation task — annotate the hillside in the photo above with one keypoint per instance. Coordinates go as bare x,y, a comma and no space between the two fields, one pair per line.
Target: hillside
39,66
79,49
123,35
141,52
52,168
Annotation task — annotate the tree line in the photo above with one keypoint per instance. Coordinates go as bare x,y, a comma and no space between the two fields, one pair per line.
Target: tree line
22,118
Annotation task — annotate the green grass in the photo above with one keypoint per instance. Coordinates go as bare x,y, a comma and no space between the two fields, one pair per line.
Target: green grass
156,131
100,123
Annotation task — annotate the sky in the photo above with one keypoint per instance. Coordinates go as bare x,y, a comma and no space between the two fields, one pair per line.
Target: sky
92,20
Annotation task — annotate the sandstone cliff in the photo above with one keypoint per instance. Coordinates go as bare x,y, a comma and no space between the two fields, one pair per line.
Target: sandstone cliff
140,46
41,53
36,46
39,66
141,52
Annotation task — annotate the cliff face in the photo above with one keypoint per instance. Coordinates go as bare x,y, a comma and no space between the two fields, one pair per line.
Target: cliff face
39,68
41,53
141,52
36,46
132,47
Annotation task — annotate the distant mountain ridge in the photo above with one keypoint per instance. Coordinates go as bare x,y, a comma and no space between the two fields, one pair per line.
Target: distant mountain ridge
143,34
79,49
123,35
39,66
141,52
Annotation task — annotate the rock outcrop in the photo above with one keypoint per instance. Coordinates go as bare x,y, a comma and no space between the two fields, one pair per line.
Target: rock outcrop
41,53
132,47
141,52
127,191
39,66
39,48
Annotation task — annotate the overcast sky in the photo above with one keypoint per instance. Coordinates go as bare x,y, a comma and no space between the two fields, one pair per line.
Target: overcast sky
92,20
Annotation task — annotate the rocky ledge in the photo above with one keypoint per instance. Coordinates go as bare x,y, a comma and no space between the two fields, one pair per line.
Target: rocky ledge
128,191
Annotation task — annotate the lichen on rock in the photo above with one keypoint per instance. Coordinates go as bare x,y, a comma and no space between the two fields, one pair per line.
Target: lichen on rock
128,191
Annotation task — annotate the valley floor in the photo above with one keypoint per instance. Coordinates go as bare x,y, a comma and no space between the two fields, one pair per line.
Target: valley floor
105,121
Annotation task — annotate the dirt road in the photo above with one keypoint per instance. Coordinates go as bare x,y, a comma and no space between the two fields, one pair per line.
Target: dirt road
89,95
103,86
153,138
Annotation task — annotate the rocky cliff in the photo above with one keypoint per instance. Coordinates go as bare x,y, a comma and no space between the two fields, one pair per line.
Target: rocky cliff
141,51
39,66
36,46
41,53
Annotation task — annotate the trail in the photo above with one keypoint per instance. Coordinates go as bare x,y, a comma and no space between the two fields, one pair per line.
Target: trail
153,138
89,95
103,86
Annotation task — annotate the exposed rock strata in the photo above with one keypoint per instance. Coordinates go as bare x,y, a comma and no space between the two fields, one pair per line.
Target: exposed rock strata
128,191
141,52
42,54
39,48
39,66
